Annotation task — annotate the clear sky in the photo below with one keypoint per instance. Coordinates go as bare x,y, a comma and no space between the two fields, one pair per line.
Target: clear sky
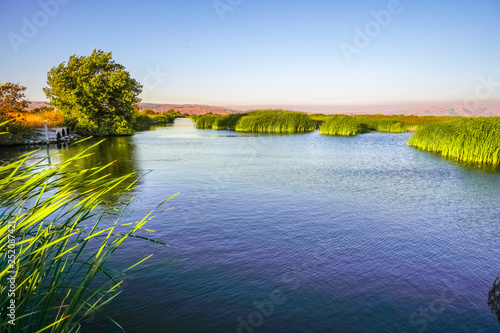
274,52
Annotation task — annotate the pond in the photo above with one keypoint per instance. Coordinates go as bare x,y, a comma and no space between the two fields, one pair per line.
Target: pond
302,233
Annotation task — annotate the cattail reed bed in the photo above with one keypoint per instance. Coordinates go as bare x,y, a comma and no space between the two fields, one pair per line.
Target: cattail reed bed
259,121
475,140
218,121
276,121
343,126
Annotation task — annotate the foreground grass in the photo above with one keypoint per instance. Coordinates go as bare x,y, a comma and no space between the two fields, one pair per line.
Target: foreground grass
54,244
474,140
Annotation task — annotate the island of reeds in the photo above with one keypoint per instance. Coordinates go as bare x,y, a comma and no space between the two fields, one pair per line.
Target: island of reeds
282,121
343,126
465,139
259,121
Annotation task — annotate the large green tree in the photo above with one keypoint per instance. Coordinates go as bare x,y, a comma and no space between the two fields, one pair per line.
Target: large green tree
96,94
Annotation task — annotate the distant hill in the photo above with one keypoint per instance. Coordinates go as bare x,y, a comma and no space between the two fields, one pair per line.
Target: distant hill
191,109
485,109
34,105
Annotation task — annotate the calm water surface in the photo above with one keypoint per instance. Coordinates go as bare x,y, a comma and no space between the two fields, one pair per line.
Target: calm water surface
304,233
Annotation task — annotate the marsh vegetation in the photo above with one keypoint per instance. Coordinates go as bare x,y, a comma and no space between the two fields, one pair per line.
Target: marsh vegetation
259,121
343,126
474,140
460,138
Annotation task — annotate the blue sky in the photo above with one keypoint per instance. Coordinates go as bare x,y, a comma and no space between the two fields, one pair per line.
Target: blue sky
264,52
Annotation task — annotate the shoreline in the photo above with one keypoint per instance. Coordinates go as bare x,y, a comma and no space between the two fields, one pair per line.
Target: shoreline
37,142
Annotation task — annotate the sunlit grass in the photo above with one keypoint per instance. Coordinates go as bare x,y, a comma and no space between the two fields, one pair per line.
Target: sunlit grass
206,121
218,121
227,122
62,241
398,123
259,121
474,140
343,126
352,125
276,121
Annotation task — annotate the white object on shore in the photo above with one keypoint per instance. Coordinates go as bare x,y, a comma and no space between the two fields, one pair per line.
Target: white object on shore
46,131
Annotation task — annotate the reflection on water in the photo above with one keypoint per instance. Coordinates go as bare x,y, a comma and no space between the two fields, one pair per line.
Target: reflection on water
469,165
119,151
113,149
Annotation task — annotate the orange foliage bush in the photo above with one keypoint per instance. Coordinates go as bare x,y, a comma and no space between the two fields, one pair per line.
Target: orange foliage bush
53,118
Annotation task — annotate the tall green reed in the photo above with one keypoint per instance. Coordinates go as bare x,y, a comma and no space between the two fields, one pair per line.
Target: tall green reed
474,140
276,121
206,121
342,125
51,222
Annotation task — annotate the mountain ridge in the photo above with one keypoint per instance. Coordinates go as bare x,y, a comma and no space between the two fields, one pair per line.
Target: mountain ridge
491,109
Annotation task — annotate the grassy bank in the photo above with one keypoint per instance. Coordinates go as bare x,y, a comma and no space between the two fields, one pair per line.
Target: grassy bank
465,139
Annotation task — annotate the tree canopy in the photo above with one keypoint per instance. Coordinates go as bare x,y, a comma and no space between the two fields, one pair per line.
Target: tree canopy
95,94
12,98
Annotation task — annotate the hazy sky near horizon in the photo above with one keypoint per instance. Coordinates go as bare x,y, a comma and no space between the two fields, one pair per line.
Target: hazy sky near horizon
242,52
